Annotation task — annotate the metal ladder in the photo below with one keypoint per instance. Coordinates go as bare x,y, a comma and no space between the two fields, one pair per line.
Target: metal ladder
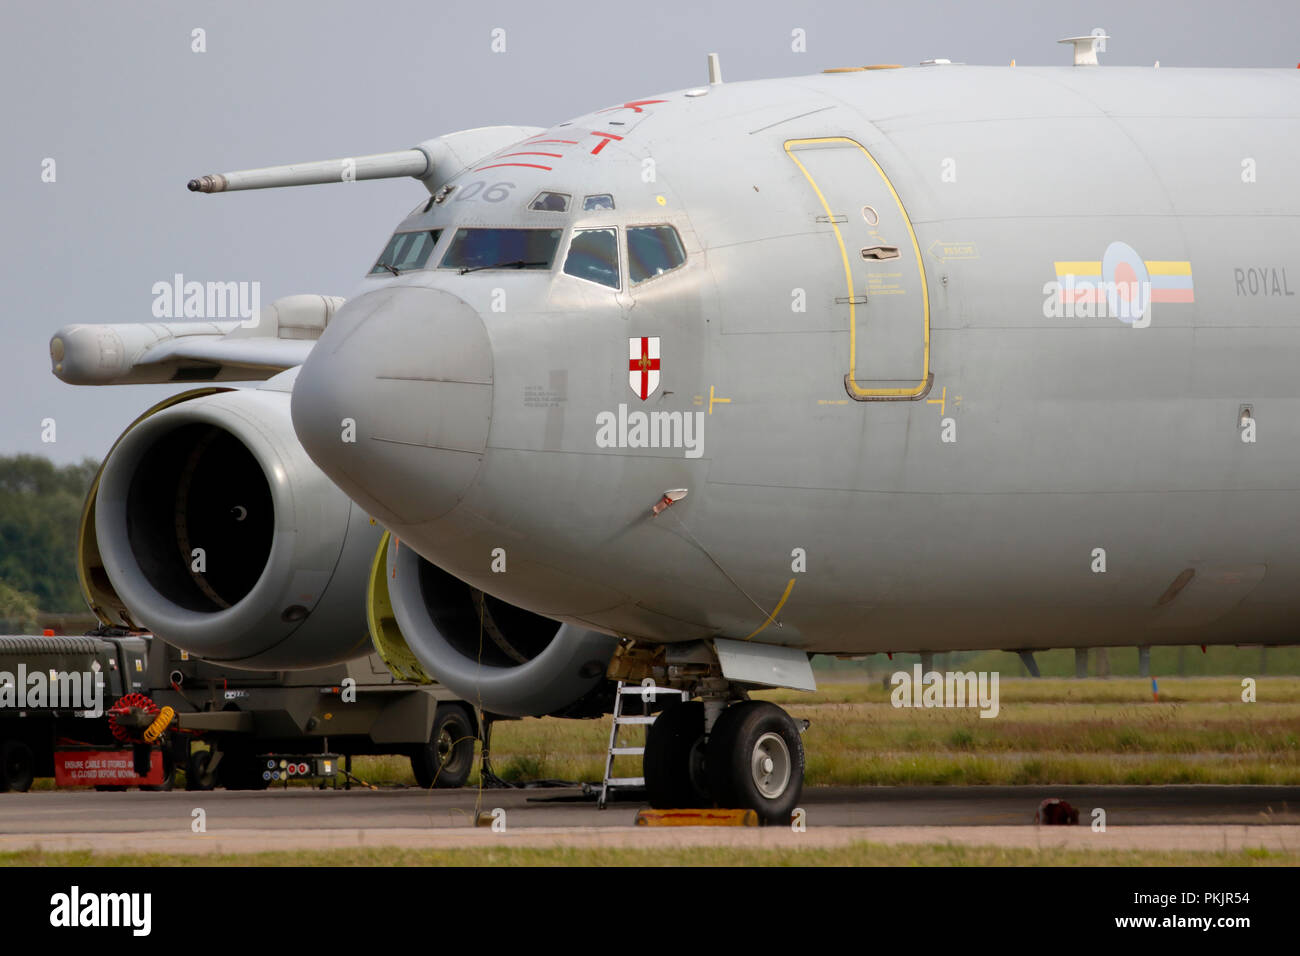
621,720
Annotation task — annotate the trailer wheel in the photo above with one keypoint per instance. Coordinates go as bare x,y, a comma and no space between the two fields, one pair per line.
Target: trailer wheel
169,772
447,759
197,774
17,766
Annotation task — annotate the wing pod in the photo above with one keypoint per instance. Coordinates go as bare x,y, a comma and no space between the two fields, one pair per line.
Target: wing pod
277,337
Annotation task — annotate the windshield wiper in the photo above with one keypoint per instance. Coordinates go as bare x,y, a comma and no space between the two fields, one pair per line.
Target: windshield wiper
513,264
392,269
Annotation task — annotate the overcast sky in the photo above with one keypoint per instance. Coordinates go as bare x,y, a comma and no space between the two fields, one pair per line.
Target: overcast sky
113,93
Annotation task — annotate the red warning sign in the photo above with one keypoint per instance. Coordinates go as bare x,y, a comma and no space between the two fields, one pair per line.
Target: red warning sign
88,768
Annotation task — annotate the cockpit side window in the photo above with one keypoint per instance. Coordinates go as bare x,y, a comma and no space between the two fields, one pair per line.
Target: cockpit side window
405,251
598,201
652,251
593,255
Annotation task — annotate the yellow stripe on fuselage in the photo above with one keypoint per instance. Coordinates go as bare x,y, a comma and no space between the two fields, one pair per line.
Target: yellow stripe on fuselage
1078,268
1155,267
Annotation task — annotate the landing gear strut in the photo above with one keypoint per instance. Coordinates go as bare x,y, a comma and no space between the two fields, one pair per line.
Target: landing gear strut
751,758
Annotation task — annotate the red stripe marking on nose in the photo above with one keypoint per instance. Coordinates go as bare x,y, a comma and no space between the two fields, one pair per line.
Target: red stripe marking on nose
526,165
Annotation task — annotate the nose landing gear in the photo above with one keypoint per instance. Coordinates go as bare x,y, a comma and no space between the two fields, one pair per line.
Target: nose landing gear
673,763
752,758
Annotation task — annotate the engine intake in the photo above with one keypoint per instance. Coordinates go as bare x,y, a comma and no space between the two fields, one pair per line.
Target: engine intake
502,658
209,525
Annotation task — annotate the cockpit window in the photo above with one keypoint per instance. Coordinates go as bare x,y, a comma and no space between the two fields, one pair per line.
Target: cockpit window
474,249
599,201
652,251
593,255
406,250
550,202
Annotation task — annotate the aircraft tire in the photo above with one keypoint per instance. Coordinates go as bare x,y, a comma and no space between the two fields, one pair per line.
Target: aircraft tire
672,764
755,760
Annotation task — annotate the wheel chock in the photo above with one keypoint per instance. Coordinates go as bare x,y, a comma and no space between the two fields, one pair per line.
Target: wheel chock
697,818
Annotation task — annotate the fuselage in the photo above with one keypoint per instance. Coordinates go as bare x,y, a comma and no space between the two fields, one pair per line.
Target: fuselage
952,357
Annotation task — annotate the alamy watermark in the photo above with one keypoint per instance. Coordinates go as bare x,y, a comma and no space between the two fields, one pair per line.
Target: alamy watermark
75,908
949,689
53,690
638,429
180,299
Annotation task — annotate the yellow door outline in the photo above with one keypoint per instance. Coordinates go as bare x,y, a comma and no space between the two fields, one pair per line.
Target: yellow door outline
906,393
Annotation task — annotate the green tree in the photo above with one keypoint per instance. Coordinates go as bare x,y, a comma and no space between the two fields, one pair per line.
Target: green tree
40,511
18,611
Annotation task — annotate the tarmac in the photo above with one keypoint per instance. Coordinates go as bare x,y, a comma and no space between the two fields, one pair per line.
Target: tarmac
1136,818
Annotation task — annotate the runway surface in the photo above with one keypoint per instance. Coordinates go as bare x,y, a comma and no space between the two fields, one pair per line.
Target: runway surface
1176,817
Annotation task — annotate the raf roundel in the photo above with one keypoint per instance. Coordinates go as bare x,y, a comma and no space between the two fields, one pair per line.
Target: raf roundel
643,365
1126,282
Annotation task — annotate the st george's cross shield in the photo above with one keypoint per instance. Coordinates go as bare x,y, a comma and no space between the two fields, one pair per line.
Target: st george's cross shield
643,365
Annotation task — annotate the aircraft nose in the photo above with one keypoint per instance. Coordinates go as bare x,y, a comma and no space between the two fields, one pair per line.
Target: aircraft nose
395,401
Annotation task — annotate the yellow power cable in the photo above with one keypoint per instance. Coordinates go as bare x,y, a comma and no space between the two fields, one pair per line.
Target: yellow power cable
160,723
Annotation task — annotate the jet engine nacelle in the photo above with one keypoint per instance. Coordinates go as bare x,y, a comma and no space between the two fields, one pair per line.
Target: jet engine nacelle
210,526
502,658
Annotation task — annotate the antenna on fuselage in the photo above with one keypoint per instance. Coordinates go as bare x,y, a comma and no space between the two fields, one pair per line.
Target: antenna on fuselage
1087,48
715,69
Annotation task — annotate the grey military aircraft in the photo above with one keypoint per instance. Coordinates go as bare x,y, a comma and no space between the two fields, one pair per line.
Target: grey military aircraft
695,386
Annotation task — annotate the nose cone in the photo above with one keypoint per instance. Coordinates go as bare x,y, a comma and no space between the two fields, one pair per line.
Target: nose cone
395,401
